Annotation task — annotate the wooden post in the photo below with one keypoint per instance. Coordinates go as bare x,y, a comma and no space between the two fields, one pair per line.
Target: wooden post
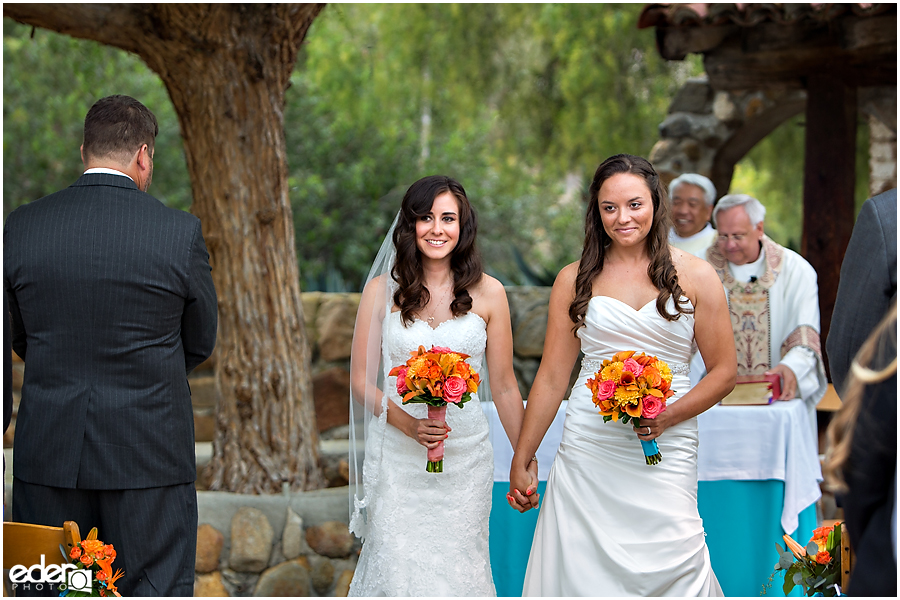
828,182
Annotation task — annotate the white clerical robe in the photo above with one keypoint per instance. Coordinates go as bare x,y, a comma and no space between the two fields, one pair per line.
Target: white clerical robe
696,244
777,321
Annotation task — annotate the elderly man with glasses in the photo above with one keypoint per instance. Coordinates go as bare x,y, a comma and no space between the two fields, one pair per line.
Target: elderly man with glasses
692,196
773,297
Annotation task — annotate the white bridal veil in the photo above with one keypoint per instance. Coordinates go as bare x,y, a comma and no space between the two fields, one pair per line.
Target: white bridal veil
368,402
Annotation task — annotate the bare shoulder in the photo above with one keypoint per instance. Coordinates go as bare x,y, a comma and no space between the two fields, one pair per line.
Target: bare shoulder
696,276
489,288
567,275
376,287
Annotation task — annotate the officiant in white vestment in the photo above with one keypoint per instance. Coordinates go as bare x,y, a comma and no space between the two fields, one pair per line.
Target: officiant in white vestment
773,297
758,465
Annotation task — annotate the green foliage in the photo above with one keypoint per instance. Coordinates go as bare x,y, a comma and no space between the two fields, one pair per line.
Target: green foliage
521,103
518,102
49,83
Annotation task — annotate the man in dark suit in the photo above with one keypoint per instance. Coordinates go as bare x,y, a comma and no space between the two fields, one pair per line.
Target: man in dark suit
112,305
866,292
868,283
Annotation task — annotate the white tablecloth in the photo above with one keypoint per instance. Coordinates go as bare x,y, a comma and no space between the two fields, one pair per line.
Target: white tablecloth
736,443
503,450
763,442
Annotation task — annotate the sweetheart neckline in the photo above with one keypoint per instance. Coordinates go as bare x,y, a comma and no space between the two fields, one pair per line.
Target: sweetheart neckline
637,310
456,318
622,302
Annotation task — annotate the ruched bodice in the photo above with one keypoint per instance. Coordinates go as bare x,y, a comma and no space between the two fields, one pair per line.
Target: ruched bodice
609,524
613,325
428,532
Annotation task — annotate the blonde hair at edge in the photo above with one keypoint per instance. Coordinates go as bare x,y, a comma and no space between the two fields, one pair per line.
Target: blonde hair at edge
878,347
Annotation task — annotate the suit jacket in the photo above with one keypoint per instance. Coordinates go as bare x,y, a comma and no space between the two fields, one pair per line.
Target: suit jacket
112,305
867,286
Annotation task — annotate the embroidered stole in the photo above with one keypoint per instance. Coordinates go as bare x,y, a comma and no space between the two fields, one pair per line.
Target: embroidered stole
748,304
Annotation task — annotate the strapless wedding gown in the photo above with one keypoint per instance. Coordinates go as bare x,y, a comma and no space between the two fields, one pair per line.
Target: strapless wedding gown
428,532
609,524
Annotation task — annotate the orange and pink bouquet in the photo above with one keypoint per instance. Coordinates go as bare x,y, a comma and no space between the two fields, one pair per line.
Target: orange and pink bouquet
630,387
436,377
93,555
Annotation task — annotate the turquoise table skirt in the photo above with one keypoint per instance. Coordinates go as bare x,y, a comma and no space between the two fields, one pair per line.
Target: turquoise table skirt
511,535
742,520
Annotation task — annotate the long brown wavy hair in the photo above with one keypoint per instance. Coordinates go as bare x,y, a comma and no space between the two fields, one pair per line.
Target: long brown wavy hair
596,241
465,261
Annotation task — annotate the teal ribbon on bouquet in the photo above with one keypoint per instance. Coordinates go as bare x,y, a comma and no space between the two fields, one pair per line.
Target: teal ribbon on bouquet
651,452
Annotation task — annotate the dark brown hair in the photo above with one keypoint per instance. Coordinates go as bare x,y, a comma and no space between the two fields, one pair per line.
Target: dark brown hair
116,127
596,241
465,262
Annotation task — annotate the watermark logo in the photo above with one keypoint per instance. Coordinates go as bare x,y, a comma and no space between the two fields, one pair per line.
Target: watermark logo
51,577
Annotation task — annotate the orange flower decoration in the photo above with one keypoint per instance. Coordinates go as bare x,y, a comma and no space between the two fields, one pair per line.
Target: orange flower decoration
823,558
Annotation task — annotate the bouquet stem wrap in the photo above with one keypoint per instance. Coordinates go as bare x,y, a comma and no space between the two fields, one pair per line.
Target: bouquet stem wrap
651,452
436,454
631,387
436,377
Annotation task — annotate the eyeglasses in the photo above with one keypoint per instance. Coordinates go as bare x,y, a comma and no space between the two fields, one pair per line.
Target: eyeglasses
736,237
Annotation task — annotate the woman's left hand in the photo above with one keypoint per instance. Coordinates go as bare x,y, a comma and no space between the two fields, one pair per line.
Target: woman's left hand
650,429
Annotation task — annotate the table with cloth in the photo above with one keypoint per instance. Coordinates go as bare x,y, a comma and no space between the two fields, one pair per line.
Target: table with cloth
759,478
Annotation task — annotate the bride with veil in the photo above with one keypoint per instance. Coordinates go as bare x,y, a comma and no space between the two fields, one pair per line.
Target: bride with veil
426,533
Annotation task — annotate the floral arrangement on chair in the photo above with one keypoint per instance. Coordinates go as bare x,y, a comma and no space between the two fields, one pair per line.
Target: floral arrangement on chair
817,567
436,377
93,555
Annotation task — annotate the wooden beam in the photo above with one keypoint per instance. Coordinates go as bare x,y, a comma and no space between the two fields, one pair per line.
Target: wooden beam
828,182
781,55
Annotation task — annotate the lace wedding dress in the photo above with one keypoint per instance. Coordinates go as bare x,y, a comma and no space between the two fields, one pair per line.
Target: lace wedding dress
609,524
427,533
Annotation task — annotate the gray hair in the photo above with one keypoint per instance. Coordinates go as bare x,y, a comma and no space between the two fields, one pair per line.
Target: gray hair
754,208
709,190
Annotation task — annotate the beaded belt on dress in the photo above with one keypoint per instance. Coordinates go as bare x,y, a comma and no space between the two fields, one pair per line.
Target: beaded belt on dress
594,364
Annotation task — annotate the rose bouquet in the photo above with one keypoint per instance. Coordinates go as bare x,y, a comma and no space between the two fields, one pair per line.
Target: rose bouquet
93,555
436,377
631,387
817,567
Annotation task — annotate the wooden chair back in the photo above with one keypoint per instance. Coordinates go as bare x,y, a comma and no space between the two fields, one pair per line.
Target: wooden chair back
24,543
847,558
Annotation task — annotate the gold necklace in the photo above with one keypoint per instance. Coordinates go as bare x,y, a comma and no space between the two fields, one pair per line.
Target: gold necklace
430,318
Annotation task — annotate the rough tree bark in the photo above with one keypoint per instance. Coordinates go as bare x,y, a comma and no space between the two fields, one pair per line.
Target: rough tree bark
226,67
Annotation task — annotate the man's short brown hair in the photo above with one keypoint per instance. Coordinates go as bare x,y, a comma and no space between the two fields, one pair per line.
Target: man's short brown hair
116,127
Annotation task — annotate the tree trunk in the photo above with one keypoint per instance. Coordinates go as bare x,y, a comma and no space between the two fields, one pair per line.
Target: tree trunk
226,67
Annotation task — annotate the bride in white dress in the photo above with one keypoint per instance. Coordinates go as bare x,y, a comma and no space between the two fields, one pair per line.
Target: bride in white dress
609,524
426,534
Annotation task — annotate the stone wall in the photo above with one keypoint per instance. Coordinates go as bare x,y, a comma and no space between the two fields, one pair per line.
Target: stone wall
290,545
298,544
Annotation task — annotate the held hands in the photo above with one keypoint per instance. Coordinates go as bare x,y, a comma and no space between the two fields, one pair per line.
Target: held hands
523,485
788,381
428,432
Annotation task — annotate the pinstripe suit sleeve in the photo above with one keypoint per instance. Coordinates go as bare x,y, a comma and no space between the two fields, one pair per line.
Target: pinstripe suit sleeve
19,343
867,284
199,321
